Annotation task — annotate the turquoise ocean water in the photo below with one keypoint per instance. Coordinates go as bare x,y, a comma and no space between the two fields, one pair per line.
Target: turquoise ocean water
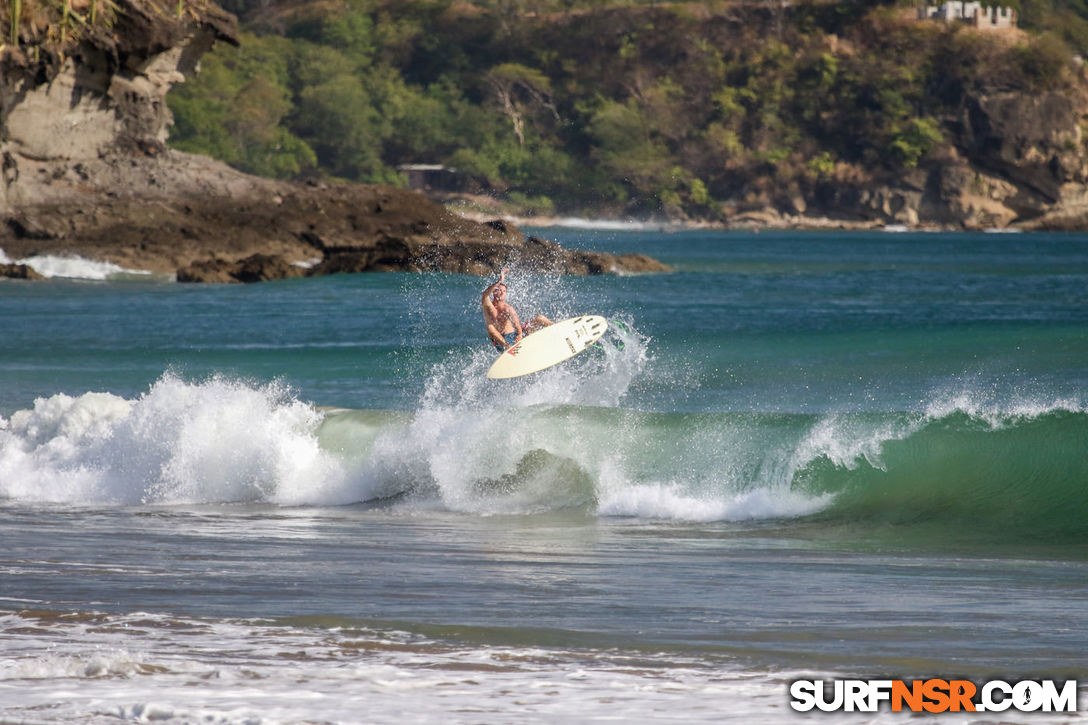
796,455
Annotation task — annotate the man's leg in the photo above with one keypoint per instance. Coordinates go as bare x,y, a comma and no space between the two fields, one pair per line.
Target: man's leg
496,337
536,323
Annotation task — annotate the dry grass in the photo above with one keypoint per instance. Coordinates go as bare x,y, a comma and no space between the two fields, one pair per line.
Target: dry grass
58,24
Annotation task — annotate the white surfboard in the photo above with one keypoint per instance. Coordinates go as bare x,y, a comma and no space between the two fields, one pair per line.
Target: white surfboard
548,346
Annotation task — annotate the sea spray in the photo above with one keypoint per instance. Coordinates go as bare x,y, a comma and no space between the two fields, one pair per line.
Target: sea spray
560,438
181,442
489,444
74,267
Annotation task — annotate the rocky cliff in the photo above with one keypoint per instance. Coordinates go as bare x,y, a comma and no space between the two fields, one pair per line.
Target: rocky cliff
814,114
84,169
1030,156
1013,159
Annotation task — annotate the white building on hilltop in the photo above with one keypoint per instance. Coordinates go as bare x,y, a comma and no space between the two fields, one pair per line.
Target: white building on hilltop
972,13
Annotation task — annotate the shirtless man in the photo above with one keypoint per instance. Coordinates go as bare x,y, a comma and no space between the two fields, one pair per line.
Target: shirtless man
504,329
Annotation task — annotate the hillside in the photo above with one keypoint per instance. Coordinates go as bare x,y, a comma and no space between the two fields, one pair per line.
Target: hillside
84,168
723,112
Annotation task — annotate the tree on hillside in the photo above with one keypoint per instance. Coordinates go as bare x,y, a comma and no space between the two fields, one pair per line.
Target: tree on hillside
519,90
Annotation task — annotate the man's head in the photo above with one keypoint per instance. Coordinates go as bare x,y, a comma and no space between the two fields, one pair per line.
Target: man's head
500,292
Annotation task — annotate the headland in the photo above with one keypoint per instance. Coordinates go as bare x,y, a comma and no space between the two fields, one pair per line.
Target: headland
85,170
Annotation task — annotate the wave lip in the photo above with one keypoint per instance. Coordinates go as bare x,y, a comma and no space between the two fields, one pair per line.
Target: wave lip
968,470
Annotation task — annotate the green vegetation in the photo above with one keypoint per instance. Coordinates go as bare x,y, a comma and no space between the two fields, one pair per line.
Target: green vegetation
599,105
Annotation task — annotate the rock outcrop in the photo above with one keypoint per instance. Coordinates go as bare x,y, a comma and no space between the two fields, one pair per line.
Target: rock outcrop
18,271
84,169
1011,159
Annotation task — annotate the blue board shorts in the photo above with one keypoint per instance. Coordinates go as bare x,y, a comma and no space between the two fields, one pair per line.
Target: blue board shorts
510,337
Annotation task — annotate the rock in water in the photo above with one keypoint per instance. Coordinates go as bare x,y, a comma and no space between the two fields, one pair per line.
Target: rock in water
19,271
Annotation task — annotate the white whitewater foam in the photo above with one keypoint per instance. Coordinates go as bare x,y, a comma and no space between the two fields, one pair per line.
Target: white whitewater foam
619,225
75,267
671,501
151,668
181,442
71,267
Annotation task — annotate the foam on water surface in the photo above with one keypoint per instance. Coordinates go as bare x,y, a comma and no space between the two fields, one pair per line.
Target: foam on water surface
98,668
72,267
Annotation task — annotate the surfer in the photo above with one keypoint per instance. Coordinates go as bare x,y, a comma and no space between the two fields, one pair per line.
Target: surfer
504,329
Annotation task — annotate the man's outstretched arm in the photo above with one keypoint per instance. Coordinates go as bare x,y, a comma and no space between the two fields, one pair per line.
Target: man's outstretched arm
485,298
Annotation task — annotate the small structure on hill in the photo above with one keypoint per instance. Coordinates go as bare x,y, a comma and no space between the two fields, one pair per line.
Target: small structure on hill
432,177
974,14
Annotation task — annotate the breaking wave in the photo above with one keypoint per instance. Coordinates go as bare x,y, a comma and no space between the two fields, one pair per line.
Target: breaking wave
557,440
